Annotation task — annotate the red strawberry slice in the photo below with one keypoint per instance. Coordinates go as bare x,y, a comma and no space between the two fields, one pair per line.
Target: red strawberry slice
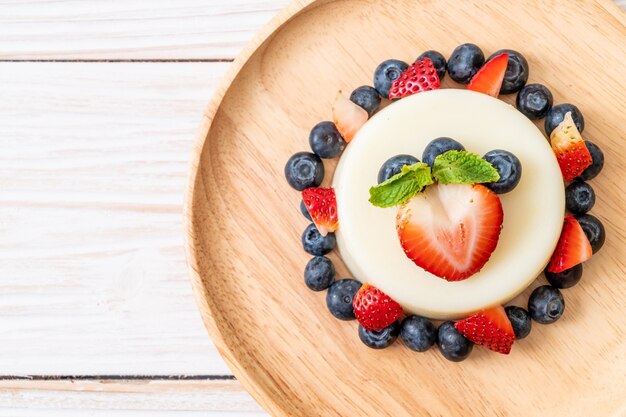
450,230
490,328
573,247
348,117
374,309
421,76
322,206
488,79
569,147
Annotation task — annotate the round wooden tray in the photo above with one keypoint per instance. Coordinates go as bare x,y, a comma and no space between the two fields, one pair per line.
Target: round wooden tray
244,225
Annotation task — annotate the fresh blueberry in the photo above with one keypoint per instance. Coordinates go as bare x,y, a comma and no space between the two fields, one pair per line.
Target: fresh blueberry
438,146
319,273
597,158
305,211
565,279
316,244
379,339
516,73
520,320
304,170
594,230
465,62
386,73
509,168
438,60
418,333
367,97
339,298
534,101
326,141
546,304
557,113
452,344
579,197
393,166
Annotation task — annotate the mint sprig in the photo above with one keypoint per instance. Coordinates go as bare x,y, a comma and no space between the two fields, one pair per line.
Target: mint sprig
461,167
399,188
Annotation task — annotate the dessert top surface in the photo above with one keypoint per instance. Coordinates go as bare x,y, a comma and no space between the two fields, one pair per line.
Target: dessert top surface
533,211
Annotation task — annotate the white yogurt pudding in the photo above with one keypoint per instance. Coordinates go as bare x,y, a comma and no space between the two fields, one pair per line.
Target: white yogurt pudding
533,211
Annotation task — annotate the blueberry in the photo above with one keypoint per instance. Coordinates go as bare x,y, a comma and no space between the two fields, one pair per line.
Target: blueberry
438,60
316,244
594,230
597,157
534,101
386,73
546,304
452,344
465,62
367,97
579,197
520,320
437,147
339,298
418,333
305,211
516,73
379,339
393,166
557,113
319,273
565,279
509,168
304,170
326,141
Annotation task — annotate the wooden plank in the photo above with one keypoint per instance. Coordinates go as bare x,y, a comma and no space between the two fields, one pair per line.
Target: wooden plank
130,29
92,174
126,398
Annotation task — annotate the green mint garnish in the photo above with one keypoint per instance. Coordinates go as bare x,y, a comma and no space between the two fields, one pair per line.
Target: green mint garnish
399,188
461,167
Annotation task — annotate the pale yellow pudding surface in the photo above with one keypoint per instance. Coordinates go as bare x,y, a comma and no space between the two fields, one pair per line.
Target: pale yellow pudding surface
533,211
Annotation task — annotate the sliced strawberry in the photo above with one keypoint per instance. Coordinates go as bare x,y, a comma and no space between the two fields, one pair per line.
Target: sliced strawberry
450,230
421,76
573,247
490,328
488,79
374,309
322,206
348,117
569,147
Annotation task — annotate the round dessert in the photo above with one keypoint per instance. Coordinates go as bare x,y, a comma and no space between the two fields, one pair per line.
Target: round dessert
533,213
455,235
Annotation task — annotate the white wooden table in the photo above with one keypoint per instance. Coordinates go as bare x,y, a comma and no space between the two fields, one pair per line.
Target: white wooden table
99,101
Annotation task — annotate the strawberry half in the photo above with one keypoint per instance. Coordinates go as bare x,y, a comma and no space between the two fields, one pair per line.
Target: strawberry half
421,76
573,247
348,117
374,309
490,328
488,79
569,147
450,230
322,206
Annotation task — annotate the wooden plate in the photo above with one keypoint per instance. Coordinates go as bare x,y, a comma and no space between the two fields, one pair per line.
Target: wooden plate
244,225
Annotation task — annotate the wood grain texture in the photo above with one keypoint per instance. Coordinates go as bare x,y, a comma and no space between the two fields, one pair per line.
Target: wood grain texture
125,398
92,172
130,29
276,335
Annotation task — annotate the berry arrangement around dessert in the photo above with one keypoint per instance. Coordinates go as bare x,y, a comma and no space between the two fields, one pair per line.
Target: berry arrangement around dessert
440,207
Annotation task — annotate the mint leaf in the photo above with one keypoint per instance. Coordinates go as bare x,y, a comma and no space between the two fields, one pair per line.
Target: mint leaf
461,167
399,188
